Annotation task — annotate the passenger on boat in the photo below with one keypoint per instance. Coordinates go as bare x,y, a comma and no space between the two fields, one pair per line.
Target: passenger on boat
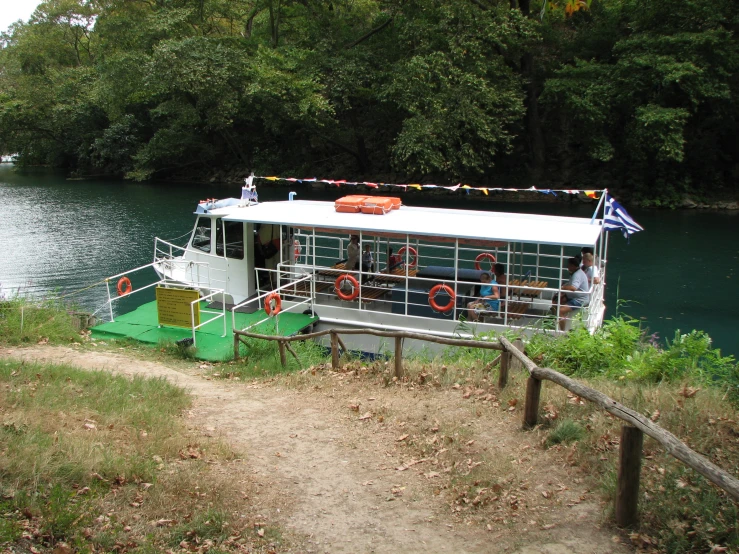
574,294
393,260
269,243
352,254
501,278
591,271
489,300
368,263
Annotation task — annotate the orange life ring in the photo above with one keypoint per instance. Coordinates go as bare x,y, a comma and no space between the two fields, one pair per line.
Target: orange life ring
124,286
355,287
432,298
412,252
268,304
484,256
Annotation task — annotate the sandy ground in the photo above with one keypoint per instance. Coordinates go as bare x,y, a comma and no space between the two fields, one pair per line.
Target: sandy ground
337,464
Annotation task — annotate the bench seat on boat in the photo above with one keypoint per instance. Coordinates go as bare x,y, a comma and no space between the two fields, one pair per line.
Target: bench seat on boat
396,275
515,310
303,288
527,292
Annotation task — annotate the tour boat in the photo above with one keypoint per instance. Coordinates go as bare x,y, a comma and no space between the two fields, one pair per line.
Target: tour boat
425,285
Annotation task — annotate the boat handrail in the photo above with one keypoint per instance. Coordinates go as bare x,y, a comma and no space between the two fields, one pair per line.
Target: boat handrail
260,296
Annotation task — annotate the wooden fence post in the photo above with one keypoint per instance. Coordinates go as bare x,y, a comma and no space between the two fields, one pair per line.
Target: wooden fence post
505,363
283,358
236,347
334,350
516,364
398,357
531,409
629,469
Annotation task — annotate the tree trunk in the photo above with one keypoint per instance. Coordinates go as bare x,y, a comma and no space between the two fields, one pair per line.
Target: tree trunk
537,154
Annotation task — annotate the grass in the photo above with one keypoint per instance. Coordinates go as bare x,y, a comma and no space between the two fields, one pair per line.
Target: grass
23,321
91,460
683,384
565,432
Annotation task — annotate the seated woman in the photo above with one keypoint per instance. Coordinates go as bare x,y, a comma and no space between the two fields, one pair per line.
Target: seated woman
489,300
393,260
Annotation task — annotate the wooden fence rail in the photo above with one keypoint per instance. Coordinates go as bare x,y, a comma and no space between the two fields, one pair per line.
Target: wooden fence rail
631,435
670,442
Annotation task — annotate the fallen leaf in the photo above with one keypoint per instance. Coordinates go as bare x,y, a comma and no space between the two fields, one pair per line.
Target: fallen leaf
513,401
365,416
260,532
402,437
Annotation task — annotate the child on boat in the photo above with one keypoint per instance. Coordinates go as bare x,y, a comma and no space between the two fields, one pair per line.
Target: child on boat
489,300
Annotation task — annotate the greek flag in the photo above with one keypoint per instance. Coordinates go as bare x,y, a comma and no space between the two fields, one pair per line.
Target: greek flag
616,217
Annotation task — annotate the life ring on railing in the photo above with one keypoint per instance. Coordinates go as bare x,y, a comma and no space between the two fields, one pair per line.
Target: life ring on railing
432,297
268,304
124,286
412,252
354,283
484,256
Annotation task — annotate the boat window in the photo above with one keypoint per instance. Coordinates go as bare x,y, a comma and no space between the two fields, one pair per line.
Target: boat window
201,236
234,239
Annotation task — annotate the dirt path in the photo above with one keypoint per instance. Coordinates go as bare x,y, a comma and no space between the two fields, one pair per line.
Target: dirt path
335,482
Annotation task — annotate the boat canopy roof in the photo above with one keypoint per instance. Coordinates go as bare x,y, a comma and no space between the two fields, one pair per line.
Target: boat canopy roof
431,222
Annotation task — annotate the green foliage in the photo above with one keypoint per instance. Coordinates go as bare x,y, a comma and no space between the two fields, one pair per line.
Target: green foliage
643,94
621,350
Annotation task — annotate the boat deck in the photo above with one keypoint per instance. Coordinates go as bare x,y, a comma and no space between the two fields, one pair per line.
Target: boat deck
142,325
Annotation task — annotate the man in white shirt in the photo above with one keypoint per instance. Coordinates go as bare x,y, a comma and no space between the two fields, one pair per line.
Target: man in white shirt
591,271
574,294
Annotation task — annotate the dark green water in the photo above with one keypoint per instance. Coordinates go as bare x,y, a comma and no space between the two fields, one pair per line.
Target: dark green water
59,236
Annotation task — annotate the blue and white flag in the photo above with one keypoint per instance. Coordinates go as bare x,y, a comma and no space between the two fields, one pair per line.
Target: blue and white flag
616,217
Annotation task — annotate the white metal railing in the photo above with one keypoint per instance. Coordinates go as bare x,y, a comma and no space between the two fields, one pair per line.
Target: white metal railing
165,281
205,311
263,295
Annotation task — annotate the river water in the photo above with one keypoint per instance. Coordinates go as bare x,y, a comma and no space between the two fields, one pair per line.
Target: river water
60,236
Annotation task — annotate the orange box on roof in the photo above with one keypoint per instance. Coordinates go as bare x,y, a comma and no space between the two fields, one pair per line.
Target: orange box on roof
351,204
380,204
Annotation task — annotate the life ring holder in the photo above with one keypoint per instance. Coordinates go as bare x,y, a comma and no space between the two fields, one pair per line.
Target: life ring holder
412,251
484,256
268,304
124,286
432,297
355,287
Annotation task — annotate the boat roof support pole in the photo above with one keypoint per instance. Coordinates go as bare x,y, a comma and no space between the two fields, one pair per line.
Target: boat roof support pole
561,270
456,276
313,277
600,203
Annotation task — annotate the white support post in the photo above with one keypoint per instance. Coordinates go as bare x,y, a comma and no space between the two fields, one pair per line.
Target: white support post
456,277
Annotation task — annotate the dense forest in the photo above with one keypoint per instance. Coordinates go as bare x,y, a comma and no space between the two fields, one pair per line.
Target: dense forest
640,96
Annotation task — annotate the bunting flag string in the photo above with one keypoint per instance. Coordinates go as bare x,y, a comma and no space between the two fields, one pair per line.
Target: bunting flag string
595,194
